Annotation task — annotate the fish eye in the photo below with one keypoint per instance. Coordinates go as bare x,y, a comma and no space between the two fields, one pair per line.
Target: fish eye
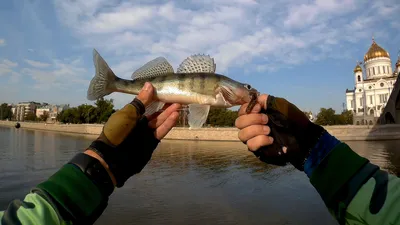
247,86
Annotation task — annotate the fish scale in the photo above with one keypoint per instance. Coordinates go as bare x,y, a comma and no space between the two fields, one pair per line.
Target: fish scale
194,84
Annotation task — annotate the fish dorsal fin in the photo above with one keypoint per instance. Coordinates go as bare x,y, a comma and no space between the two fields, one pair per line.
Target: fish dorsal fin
156,67
197,64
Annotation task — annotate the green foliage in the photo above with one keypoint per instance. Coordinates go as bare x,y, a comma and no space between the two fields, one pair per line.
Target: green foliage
44,116
104,109
329,117
30,116
346,117
221,117
5,112
88,113
217,117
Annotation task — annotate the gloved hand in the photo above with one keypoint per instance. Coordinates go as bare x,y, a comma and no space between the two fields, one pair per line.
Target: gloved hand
277,132
128,138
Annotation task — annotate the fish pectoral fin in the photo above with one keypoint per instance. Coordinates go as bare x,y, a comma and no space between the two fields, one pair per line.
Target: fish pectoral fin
156,67
153,108
198,115
197,64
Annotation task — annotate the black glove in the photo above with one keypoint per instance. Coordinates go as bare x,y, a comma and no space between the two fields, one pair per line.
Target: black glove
126,151
290,128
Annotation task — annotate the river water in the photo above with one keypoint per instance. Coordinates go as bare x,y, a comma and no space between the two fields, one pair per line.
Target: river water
186,182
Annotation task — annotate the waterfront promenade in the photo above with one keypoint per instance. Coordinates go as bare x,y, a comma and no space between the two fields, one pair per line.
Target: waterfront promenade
344,133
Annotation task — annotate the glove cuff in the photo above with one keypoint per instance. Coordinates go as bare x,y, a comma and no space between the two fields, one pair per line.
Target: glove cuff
126,159
292,129
139,106
307,140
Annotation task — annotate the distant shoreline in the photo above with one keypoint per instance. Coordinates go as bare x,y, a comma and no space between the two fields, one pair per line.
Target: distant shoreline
344,133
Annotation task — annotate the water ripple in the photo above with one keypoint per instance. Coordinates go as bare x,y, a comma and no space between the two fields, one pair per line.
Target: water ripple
186,182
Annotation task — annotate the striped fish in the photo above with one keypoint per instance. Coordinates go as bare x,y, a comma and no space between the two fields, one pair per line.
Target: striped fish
194,84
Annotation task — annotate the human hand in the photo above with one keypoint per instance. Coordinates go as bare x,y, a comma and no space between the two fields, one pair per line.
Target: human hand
277,132
129,138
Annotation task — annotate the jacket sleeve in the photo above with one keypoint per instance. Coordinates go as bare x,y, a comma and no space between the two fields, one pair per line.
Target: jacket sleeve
67,197
354,190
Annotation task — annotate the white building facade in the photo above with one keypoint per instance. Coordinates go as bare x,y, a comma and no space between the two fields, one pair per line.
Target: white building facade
23,108
373,86
52,110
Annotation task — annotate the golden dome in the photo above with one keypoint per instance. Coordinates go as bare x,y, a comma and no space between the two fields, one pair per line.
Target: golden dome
357,68
375,51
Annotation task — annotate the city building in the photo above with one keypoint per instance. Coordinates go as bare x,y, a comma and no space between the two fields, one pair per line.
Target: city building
22,109
57,109
42,110
374,83
52,110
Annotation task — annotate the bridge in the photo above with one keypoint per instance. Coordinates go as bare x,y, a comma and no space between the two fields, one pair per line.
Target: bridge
391,112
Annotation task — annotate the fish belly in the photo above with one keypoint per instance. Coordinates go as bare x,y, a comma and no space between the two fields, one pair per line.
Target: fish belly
185,97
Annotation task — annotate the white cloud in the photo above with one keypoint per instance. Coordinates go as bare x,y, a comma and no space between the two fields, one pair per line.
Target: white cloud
37,64
233,32
7,66
317,11
63,74
2,42
10,63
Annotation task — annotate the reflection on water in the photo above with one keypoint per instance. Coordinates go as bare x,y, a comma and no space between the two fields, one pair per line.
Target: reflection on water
186,182
385,154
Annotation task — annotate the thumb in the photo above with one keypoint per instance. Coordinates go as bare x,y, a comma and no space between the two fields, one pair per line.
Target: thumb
146,94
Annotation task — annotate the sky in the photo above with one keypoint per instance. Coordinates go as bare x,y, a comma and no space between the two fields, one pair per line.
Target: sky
302,50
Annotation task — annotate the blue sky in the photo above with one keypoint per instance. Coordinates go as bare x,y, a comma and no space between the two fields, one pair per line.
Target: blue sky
302,50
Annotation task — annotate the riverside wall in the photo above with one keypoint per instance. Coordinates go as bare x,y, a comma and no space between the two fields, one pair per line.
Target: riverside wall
344,133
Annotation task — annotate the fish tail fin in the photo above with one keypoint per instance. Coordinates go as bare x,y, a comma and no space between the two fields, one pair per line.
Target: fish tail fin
103,82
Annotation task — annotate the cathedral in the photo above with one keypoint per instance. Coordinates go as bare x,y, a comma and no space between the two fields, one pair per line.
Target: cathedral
374,83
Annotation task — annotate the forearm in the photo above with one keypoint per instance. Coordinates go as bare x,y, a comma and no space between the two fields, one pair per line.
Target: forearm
78,192
353,189
36,208
67,197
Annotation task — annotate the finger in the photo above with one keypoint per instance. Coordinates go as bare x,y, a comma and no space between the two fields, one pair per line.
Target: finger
256,109
262,100
253,131
146,94
166,126
258,142
153,116
156,122
251,119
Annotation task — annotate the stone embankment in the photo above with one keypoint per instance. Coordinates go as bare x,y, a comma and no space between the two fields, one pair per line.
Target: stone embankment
344,133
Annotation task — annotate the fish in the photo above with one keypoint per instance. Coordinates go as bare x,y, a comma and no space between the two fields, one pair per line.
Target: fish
194,84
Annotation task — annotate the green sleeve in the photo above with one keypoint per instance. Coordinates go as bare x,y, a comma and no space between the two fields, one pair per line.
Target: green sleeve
34,209
67,197
356,191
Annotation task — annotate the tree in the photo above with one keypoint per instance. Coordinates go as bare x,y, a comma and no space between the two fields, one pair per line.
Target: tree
30,116
221,117
326,117
5,112
346,117
104,109
88,113
44,116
